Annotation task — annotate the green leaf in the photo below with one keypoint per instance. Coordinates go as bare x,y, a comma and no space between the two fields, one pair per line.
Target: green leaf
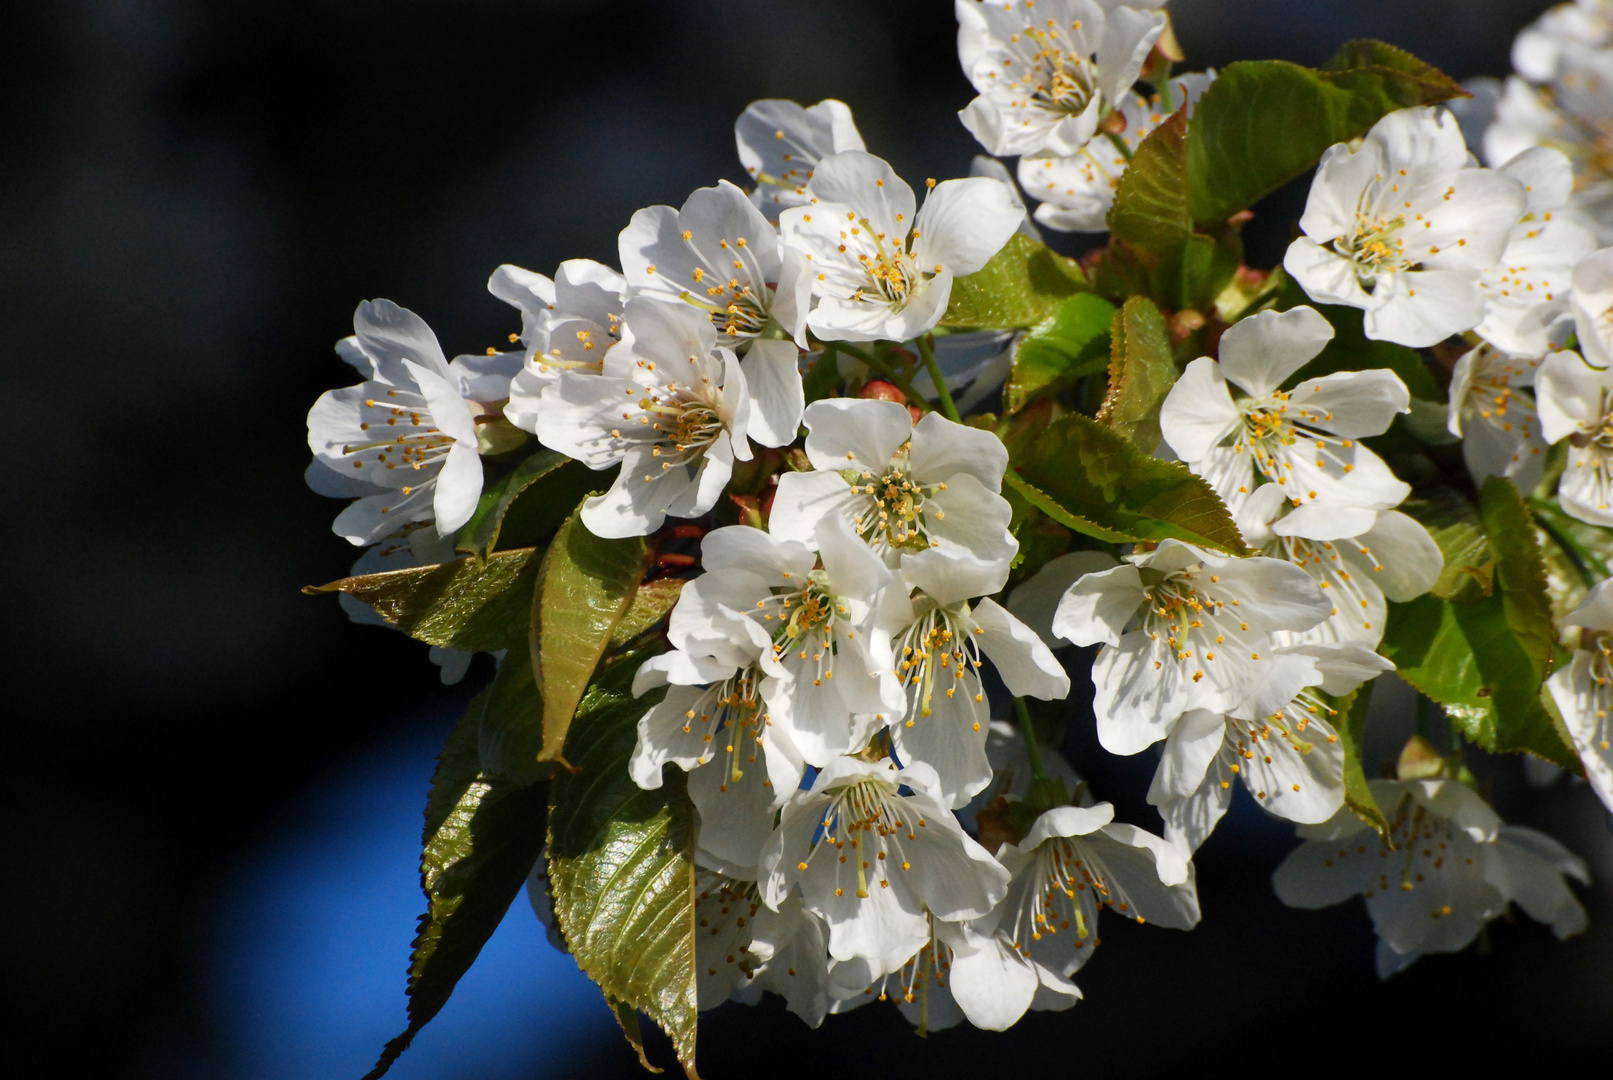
1021,286
1485,661
1092,480
1453,522
1141,373
511,730
1589,545
621,861
587,585
482,836
1070,344
1263,123
1150,211
1195,272
463,604
479,535
652,602
1357,793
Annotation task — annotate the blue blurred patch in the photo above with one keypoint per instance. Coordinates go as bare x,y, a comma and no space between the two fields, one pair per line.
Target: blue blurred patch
305,959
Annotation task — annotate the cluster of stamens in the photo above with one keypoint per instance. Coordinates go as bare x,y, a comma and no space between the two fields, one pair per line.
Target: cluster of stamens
418,441
1272,430
1253,738
1175,608
1419,841
733,709
1594,446
801,620
734,297
724,903
679,421
889,510
1071,886
933,655
1054,77
867,818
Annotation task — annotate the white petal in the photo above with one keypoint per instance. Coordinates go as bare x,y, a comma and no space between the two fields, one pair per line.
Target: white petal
963,223
777,399
459,487
801,500
1027,666
1198,412
1188,751
1035,600
1099,606
942,449
1259,353
391,334
855,433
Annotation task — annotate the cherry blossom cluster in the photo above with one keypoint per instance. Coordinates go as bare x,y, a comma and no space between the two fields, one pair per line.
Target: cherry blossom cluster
836,670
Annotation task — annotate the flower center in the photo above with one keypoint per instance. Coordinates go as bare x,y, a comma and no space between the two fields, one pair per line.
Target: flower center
733,708
1271,431
1375,246
409,438
805,619
869,819
1056,76
934,654
889,509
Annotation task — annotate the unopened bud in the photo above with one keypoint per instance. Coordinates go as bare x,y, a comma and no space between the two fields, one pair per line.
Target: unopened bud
1184,324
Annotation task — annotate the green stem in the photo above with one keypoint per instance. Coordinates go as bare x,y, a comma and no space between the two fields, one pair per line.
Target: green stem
927,351
1032,750
1120,145
1162,84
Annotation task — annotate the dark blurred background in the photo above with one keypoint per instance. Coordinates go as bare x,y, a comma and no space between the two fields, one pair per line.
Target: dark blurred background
214,783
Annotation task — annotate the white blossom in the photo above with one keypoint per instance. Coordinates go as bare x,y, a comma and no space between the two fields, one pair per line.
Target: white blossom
880,272
567,324
1073,862
876,863
1403,227
1564,35
1454,867
1388,557
1281,744
1182,628
411,432
833,670
1492,410
1305,440
1077,191
1574,400
904,487
1527,117
1046,73
961,973
720,255
937,640
675,409
714,723
1526,293
1583,691
780,144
